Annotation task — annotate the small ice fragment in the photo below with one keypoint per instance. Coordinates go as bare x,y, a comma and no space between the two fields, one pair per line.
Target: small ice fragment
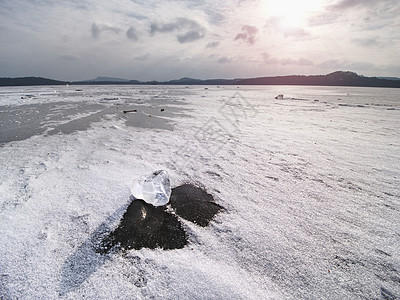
154,189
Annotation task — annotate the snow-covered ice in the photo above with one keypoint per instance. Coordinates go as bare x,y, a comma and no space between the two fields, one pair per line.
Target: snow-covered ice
309,183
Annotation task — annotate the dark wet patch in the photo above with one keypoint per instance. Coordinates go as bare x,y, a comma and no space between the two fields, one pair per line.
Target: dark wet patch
142,226
81,123
194,204
21,122
148,117
146,226
24,121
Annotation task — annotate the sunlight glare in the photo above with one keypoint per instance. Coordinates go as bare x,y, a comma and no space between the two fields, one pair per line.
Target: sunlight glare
294,12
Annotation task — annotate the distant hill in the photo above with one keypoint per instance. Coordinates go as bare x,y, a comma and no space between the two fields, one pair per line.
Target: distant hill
192,81
107,79
339,78
29,81
185,80
389,78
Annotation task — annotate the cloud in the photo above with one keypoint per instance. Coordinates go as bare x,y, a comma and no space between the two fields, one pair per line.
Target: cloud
224,60
364,15
345,64
214,16
277,24
188,30
286,61
212,45
132,34
298,62
137,16
332,64
295,32
368,42
248,34
142,57
68,57
321,19
97,29
360,10
193,29
190,36
347,4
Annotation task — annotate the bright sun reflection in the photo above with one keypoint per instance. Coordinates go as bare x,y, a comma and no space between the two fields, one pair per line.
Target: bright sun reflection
294,12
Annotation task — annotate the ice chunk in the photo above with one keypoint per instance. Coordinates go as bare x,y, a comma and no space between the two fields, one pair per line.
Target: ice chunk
155,188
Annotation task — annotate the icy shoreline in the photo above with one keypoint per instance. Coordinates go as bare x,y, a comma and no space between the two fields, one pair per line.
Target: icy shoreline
310,190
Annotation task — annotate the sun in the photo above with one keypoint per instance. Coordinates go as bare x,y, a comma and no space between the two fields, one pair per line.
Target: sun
293,12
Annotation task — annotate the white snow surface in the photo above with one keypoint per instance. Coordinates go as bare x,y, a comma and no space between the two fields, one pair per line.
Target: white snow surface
310,189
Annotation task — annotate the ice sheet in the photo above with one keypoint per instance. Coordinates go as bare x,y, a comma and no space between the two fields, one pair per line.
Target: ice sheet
311,191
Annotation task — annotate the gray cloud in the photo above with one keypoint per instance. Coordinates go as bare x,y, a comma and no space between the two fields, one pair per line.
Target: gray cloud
189,30
335,64
332,63
68,57
360,65
368,42
298,62
132,34
137,16
37,39
214,16
248,34
321,19
212,45
362,8
286,61
142,57
224,60
347,4
97,29
190,36
213,10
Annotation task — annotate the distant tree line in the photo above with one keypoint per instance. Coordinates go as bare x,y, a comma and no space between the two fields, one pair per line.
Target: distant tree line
339,78
21,81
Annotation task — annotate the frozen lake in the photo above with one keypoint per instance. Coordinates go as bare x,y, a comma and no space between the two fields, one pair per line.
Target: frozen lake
310,185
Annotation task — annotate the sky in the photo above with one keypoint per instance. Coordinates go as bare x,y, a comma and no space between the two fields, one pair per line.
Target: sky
162,40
